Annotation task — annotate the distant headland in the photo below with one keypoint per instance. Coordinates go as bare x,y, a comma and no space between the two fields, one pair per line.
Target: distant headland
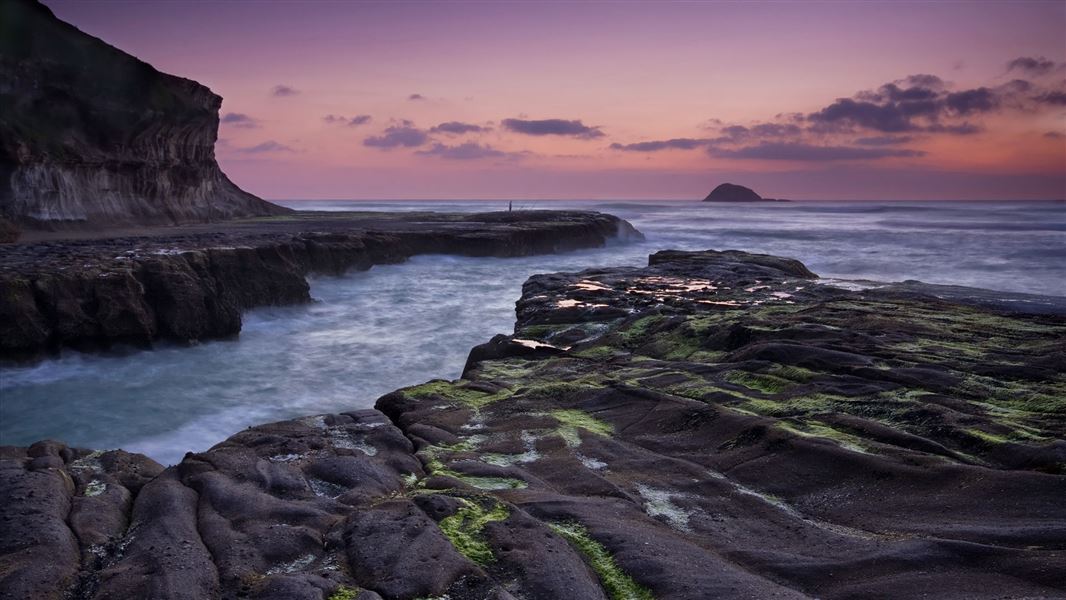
731,192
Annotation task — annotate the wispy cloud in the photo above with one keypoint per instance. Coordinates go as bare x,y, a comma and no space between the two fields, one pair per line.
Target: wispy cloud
239,120
267,146
657,145
794,151
404,134
873,124
349,121
884,140
281,91
563,127
458,128
467,151
1031,65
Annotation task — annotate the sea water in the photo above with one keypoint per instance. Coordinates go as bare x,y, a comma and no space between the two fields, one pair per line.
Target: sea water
368,333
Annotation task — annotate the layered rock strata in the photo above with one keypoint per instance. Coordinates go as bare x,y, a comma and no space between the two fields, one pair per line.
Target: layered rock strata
716,425
194,285
93,137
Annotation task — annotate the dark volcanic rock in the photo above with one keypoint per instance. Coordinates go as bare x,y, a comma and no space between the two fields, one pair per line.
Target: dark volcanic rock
730,192
91,136
715,425
193,283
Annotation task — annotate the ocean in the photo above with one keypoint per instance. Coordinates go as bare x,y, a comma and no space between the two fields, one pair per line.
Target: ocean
371,332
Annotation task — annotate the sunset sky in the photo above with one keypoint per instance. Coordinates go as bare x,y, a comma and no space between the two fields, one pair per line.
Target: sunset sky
824,100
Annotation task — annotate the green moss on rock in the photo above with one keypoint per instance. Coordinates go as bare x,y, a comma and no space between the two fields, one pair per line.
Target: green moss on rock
616,582
344,593
463,529
572,420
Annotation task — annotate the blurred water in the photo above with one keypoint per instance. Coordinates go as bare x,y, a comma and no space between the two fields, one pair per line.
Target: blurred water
396,325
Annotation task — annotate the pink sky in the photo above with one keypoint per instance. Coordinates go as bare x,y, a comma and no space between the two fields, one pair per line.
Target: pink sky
559,100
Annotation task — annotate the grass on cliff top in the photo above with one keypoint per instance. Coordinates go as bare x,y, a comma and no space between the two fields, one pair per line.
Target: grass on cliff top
615,581
463,529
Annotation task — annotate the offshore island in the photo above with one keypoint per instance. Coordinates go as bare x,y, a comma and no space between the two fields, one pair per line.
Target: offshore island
711,424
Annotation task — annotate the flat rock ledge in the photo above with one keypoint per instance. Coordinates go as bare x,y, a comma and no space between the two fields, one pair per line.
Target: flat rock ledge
192,283
715,425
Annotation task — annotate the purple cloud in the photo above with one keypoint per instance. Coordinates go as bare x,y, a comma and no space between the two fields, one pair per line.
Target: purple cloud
281,91
457,128
267,146
565,127
466,151
351,122
795,151
1055,98
239,120
868,115
1033,65
884,140
416,97
965,102
655,146
405,134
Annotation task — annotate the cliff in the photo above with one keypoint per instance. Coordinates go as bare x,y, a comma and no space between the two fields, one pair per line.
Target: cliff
192,283
91,136
714,425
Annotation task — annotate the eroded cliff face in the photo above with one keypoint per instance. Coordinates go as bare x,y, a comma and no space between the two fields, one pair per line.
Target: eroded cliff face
90,135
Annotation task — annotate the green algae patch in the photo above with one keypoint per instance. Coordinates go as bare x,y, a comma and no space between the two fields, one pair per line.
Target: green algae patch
598,353
508,370
821,430
709,357
767,384
938,348
457,393
541,332
571,420
436,467
560,389
344,593
989,438
463,529
793,373
1032,397
615,581
638,330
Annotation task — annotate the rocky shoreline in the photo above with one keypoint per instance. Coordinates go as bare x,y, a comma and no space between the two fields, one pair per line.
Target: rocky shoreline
716,424
192,283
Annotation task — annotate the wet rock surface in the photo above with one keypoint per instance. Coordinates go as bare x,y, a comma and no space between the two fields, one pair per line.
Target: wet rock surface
712,425
192,283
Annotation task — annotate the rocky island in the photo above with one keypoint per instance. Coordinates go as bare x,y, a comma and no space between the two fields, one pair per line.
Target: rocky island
716,424
731,192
